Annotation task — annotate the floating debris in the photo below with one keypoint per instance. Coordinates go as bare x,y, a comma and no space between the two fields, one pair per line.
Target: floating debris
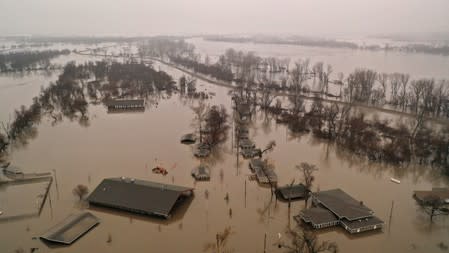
159,170
394,180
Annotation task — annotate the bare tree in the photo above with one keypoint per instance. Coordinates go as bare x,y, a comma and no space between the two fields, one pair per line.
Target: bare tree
266,96
326,77
200,111
417,92
307,241
394,81
403,78
80,191
270,146
318,69
434,206
221,240
382,78
299,74
330,115
308,177
440,94
216,124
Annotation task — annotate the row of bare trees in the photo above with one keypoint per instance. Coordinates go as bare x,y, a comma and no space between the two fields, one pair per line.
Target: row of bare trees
361,86
378,140
29,60
378,89
211,121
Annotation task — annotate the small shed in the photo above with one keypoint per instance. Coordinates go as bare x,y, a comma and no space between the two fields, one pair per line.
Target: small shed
201,173
292,192
202,150
71,228
263,173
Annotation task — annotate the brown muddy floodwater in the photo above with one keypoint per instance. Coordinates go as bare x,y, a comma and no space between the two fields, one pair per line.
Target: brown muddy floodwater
130,144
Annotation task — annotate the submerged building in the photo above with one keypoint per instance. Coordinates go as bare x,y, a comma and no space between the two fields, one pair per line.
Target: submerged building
263,173
201,173
292,192
71,229
442,194
125,104
335,207
139,196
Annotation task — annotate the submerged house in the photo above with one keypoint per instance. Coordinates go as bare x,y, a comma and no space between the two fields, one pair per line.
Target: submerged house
264,174
292,192
139,196
243,110
201,173
439,193
335,207
125,104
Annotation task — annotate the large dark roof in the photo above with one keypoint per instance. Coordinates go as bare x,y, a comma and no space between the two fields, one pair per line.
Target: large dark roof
342,205
292,191
317,215
137,196
72,228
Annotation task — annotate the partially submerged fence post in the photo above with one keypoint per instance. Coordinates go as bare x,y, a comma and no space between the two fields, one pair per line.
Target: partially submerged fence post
391,215
265,243
245,193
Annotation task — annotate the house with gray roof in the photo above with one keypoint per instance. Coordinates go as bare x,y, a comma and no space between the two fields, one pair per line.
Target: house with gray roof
264,174
292,192
336,207
139,196
125,104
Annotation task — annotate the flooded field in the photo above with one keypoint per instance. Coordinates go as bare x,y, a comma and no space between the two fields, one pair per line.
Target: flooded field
343,60
131,144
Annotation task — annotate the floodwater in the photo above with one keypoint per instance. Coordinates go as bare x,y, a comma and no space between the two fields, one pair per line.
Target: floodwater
130,144
343,60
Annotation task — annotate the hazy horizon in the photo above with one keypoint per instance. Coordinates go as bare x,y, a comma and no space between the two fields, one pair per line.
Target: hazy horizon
180,17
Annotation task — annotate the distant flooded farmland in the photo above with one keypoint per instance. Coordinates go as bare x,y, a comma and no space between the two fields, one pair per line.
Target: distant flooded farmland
130,144
344,60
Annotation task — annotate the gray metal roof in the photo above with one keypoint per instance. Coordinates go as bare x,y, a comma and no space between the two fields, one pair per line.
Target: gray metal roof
266,175
342,205
71,228
256,163
292,192
317,215
138,196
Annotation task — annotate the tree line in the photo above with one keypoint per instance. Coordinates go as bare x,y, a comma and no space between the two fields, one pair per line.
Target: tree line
29,60
331,43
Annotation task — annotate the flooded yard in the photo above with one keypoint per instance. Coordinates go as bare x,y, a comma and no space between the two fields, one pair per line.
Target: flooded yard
131,144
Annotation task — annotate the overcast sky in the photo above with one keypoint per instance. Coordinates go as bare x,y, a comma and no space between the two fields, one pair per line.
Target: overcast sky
150,17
